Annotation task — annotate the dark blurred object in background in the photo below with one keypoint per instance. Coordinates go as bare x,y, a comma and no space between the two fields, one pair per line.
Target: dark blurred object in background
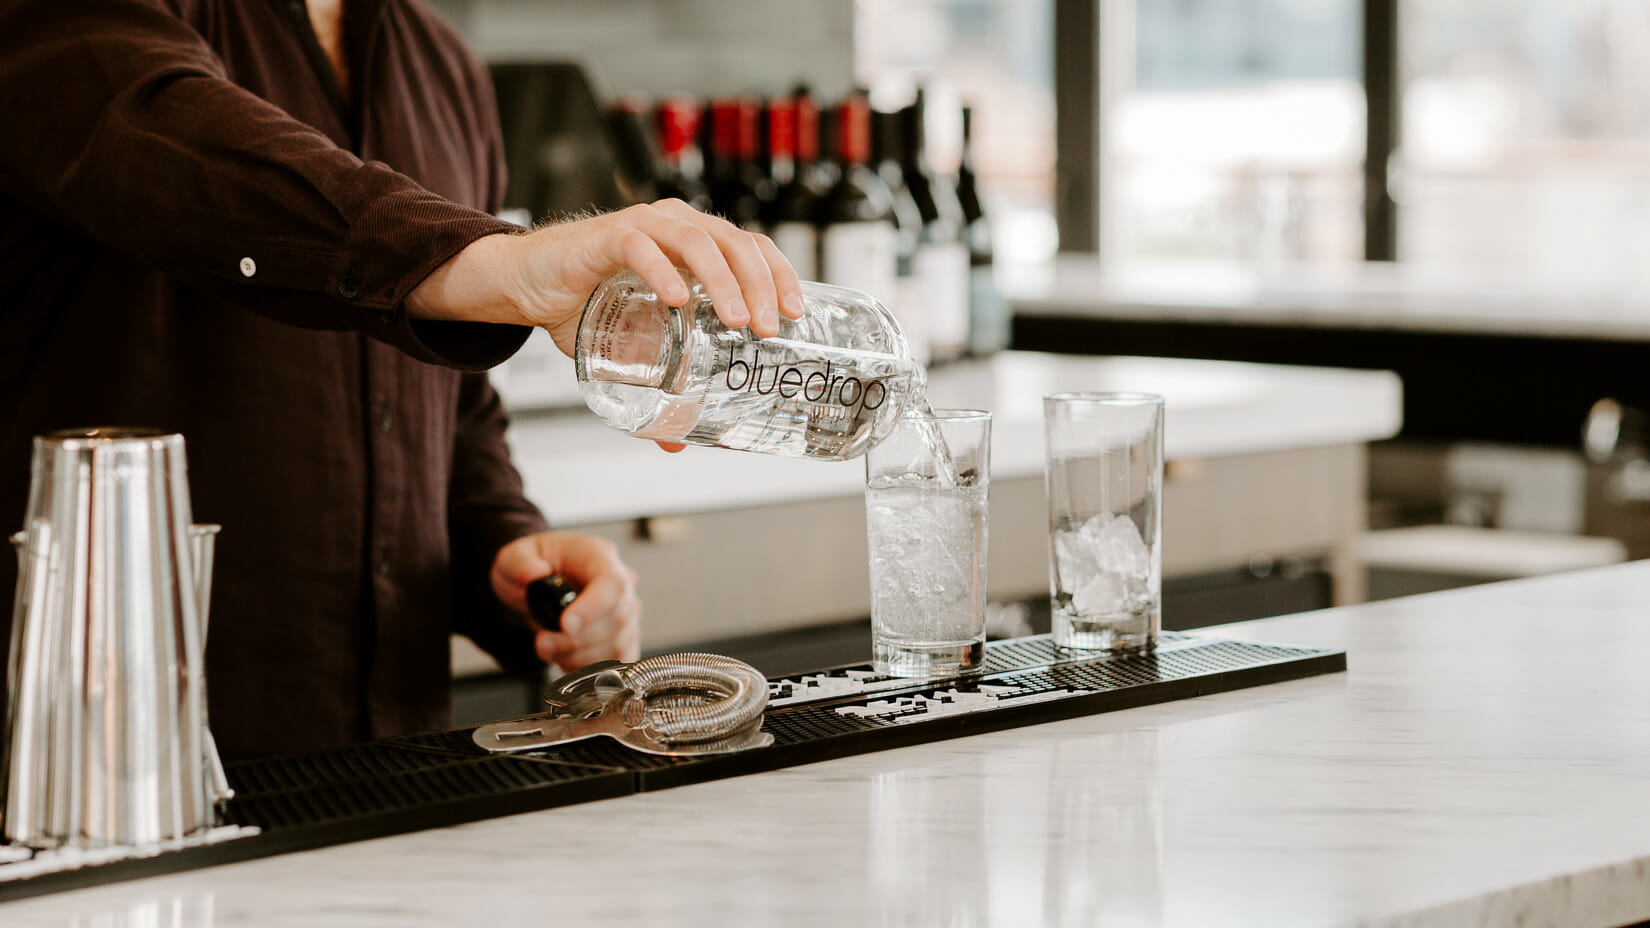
1616,443
556,144
639,159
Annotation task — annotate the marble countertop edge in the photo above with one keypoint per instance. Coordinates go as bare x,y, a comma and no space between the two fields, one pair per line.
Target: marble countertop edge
1360,297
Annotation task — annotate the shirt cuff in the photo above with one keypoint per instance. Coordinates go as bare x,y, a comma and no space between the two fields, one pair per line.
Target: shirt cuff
467,346
398,240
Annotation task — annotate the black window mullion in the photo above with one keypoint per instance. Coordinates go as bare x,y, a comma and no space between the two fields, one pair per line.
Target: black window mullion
1383,101
1077,124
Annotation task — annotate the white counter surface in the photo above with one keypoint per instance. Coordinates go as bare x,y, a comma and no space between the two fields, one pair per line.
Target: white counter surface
1484,761
581,472
1376,296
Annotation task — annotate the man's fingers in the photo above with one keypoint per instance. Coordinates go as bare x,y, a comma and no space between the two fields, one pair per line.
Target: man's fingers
788,285
582,558
768,284
744,275
612,634
520,563
639,251
553,648
600,597
752,266
626,647
592,624
685,239
603,621
517,565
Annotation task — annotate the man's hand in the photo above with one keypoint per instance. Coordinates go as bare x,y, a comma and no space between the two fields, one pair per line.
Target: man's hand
543,278
603,622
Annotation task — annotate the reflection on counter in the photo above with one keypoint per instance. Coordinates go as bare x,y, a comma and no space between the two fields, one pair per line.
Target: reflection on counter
175,910
914,844
1040,840
1109,854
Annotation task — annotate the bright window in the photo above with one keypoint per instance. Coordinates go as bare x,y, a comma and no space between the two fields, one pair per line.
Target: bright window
1237,135
997,56
1526,140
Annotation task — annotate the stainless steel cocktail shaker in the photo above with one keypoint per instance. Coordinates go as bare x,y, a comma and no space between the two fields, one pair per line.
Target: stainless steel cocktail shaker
106,734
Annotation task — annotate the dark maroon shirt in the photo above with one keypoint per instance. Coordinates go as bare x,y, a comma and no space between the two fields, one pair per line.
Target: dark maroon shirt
196,236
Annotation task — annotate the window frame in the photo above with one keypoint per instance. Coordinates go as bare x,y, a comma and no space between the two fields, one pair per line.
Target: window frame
1083,27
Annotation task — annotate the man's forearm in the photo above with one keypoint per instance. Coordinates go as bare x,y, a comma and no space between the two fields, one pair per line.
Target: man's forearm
479,284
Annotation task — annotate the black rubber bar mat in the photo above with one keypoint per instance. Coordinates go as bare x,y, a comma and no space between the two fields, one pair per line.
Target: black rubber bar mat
315,800
441,778
851,710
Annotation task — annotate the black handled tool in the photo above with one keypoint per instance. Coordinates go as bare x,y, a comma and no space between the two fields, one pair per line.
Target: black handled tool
547,597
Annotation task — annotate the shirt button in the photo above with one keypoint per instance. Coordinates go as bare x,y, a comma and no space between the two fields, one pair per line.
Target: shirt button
383,567
349,287
248,267
386,418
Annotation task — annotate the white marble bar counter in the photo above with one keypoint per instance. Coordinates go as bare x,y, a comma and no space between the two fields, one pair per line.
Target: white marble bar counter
582,472
1485,760
1364,296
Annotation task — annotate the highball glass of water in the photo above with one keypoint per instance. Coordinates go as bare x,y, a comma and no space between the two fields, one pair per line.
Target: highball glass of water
1105,509
925,506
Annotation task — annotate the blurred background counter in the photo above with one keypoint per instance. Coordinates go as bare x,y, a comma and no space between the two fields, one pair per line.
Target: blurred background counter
1483,358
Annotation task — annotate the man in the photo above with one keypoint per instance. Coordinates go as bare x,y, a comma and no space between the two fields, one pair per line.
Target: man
268,227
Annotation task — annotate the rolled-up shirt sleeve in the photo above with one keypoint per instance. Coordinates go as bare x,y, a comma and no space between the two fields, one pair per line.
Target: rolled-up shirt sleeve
120,121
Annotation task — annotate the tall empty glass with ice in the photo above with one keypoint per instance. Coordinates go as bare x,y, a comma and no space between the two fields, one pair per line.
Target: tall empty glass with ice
1105,506
925,508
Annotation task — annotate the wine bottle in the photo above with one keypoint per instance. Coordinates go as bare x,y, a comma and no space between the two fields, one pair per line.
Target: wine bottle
988,318
678,119
942,254
857,236
815,141
753,161
887,147
733,189
789,217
